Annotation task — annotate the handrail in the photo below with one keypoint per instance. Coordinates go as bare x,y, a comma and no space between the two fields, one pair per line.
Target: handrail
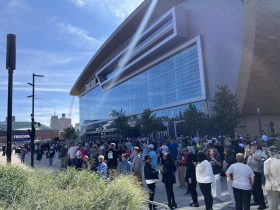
158,204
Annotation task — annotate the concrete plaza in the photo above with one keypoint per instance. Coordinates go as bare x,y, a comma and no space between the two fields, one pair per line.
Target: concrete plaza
160,194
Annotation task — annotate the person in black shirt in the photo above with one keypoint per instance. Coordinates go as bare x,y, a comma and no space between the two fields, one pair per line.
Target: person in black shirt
151,177
63,157
93,161
4,150
191,178
52,153
111,158
168,178
40,153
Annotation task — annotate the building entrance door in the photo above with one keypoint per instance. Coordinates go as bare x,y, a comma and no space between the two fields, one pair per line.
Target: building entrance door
161,134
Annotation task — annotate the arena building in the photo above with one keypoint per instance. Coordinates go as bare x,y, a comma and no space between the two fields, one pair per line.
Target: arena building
167,54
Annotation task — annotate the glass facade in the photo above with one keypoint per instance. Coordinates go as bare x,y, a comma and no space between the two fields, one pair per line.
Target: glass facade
119,68
163,115
174,79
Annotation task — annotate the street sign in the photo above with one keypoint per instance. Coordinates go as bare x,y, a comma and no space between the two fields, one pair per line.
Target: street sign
21,136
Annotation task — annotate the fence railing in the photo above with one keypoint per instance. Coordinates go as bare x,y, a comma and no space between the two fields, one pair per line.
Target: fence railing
157,205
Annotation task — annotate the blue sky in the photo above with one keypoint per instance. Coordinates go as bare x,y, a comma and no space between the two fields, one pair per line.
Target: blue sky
56,39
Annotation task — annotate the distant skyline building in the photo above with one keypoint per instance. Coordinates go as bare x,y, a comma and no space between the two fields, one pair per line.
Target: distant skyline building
179,56
54,122
62,122
77,126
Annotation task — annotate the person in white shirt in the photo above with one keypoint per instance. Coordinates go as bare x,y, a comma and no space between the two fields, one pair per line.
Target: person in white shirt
72,155
205,177
164,149
242,182
271,172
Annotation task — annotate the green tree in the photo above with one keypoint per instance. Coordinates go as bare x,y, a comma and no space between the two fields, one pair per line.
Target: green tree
227,114
69,133
148,122
192,119
121,123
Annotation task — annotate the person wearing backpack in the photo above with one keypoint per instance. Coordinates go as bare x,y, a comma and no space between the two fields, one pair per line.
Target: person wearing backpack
168,178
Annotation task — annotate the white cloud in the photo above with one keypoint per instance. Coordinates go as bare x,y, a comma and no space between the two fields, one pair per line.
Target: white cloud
80,36
118,8
19,5
79,3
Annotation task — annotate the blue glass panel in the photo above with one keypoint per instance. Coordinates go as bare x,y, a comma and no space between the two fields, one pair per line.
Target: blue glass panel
174,79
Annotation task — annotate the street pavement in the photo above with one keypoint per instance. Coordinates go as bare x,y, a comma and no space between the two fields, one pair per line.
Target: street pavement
160,193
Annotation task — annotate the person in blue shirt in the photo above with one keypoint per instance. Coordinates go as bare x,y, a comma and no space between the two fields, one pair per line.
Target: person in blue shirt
173,148
153,155
102,168
124,167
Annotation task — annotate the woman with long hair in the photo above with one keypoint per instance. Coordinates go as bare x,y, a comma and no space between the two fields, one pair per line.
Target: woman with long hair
205,177
229,159
168,178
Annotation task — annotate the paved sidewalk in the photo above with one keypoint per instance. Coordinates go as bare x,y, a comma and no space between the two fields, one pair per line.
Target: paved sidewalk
184,201
160,194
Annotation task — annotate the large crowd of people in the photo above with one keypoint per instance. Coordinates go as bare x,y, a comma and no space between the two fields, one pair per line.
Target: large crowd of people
246,162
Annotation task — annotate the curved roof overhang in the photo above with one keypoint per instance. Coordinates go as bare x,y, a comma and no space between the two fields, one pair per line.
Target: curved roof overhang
120,35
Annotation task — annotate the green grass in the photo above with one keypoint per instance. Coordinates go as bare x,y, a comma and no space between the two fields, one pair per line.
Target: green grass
42,189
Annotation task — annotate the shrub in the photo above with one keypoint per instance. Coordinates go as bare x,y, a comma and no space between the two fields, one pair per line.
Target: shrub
42,189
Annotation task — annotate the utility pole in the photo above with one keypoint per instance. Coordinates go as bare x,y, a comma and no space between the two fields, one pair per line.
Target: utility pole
258,110
10,66
32,132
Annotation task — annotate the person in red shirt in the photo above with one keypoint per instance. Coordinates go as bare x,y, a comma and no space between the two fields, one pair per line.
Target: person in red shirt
185,159
126,150
84,152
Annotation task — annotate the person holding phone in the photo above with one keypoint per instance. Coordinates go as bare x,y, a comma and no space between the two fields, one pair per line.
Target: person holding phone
216,164
254,157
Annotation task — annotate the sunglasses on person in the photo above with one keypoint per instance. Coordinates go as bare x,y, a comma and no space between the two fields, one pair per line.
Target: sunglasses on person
150,158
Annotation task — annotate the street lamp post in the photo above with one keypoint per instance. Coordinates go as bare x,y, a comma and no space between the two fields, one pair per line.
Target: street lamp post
258,110
32,132
10,66
153,129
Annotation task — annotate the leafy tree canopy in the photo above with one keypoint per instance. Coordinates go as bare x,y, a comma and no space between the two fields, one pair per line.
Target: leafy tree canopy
147,122
227,114
121,123
192,119
69,133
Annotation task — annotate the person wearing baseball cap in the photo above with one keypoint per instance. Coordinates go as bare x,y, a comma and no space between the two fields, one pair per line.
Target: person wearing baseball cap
271,172
153,155
254,157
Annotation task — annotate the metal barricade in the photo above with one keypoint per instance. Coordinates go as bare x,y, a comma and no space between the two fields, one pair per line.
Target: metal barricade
157,205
